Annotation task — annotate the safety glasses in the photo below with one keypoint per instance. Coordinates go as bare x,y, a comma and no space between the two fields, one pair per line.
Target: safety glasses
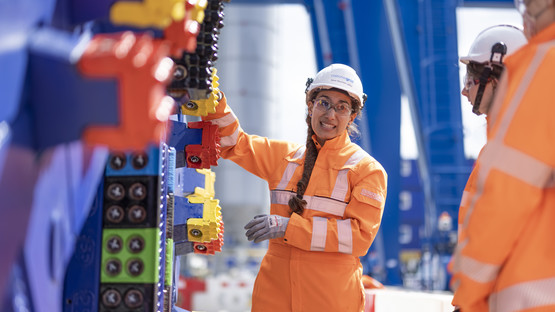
341,109
470,81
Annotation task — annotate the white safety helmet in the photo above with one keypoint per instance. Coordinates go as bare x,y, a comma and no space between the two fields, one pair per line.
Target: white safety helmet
481,49
338,76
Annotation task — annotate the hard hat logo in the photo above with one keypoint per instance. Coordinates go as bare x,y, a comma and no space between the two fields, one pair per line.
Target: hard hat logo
344,79
337,76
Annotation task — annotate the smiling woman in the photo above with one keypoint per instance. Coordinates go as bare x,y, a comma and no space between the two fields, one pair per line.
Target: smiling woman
327,200
328,121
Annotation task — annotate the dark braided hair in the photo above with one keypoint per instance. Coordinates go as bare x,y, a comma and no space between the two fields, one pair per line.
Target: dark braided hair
297,203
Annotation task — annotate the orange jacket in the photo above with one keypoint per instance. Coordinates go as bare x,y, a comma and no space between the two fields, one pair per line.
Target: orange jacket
506,261
315,267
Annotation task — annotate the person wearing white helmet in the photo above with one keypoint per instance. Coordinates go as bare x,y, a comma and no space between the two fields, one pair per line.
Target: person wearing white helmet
327,200
484,64
504,261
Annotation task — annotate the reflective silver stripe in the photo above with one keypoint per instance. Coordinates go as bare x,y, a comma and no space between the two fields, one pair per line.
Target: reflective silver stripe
225,120
345,236
341,185
356,157
317,203
229,140
280,197
287,175
319,232
327,205
524,296
465,198
290,169
341,182
478,271
300,152
519,165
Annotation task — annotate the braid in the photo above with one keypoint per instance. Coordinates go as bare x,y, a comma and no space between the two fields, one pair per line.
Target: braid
297,203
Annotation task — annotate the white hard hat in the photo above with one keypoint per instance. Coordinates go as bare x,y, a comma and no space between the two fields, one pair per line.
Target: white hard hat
338,76
480,51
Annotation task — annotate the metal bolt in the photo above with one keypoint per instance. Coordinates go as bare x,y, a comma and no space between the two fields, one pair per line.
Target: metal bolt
194,159
133,298
111,298
201,248
114,244
140,160
137,191
135,267
136,244
137,214
191,106
114,214
115,191
117,161
113,267
180,72
196,233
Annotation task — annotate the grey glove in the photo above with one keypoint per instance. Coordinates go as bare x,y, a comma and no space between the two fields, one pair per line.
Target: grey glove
264,227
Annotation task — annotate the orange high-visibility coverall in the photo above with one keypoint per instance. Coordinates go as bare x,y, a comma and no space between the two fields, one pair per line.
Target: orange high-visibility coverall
315,267
506,261
469,189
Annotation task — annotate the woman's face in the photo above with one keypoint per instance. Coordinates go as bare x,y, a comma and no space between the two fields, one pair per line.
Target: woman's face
331,122
470,90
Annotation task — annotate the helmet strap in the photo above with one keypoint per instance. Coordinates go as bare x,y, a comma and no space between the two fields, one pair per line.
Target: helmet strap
486,73
498,51
308,83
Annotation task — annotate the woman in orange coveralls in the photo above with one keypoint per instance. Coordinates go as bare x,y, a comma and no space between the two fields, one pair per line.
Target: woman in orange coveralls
327,200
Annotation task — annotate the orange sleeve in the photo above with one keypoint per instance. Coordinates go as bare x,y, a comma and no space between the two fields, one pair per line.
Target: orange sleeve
258,155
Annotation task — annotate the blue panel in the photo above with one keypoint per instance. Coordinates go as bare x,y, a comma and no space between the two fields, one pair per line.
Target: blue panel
182,136
17,21
17,297
433,55
184,210
55,219
82,11
187,180
60,111
383,116
149,163
330,14
82,278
